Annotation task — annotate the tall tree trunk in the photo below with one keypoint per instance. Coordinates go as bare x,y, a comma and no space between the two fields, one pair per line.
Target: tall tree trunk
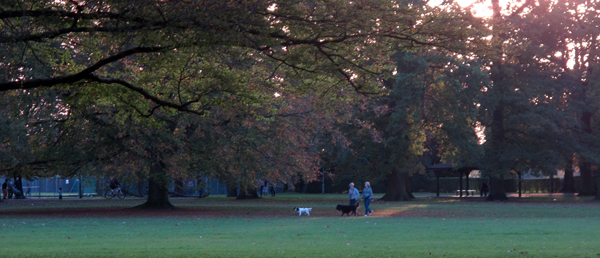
437,179
460,188
397,187
408,188
568,181
158,191
179,187
467,177
519,173
497,191
551,184
19,186
304,186
231,191
250,193
585,168
587,180
597,187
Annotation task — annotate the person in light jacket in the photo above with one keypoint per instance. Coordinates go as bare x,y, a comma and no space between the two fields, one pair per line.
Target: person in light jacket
353,194
368,197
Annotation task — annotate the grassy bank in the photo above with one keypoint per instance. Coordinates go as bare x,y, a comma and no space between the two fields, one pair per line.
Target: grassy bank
224,227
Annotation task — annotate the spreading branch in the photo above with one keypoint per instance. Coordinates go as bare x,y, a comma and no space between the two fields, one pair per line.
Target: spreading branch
73,78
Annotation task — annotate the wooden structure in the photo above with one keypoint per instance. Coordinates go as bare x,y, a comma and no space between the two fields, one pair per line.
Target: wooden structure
446,170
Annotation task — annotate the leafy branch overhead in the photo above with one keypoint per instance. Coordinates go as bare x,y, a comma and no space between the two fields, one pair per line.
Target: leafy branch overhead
303,46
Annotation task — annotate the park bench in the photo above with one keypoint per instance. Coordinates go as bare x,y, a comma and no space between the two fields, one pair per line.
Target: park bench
470,192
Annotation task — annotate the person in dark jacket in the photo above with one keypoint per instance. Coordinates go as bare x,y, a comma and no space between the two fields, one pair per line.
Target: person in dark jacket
114,184
484,190
10,187
368,197
4,189
273,191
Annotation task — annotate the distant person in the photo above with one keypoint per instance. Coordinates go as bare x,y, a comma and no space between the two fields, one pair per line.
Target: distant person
18,185
262,186
484,190
4,189
201,186
190,188
28,190
273,191
353,194
60,193
368,197
114,184
10,188
265,190
17,189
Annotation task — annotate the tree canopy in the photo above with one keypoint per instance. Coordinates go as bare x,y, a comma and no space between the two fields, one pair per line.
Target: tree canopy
266,89
119,71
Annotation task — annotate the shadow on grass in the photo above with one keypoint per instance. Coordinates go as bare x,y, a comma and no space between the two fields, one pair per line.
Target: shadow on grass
323,206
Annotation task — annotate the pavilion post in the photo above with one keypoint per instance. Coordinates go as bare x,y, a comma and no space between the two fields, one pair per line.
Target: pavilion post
467,172
437,175
551,183
519,173
460,185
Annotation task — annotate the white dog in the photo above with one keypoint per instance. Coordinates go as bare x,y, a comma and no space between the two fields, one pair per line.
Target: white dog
303,210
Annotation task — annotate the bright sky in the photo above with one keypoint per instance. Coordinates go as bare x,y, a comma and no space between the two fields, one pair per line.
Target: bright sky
481,8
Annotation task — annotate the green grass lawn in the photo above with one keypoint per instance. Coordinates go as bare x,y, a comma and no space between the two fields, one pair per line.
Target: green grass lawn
548,226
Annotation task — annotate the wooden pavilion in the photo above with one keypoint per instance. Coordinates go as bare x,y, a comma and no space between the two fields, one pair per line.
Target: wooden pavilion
446,170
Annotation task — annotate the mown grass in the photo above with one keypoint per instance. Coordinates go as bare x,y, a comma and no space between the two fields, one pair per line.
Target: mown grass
268,227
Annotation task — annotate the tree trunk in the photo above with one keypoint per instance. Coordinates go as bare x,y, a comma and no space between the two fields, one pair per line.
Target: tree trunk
568,181
231,191
437,178
140,189
519,173
158,192
498,144
251,193
408,188
587,181
304,186
460,188
19,186
467,177
597,188
497,192
551,184
179,187
397,188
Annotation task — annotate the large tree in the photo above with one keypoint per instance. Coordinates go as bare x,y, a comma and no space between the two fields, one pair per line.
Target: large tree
432,94
527,110
578,20
224,61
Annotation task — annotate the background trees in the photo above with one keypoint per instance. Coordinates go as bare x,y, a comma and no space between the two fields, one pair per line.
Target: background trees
531,106
432,94
120,70
277,90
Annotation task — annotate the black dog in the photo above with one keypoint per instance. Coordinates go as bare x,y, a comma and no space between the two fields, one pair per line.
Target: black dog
347,209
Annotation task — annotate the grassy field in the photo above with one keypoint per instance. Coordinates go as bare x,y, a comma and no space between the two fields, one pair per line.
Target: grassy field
541,226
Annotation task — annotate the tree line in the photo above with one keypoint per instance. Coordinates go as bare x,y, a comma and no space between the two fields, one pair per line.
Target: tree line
289,90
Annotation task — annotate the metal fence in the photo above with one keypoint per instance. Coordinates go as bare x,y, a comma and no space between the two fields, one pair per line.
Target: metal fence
70,187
